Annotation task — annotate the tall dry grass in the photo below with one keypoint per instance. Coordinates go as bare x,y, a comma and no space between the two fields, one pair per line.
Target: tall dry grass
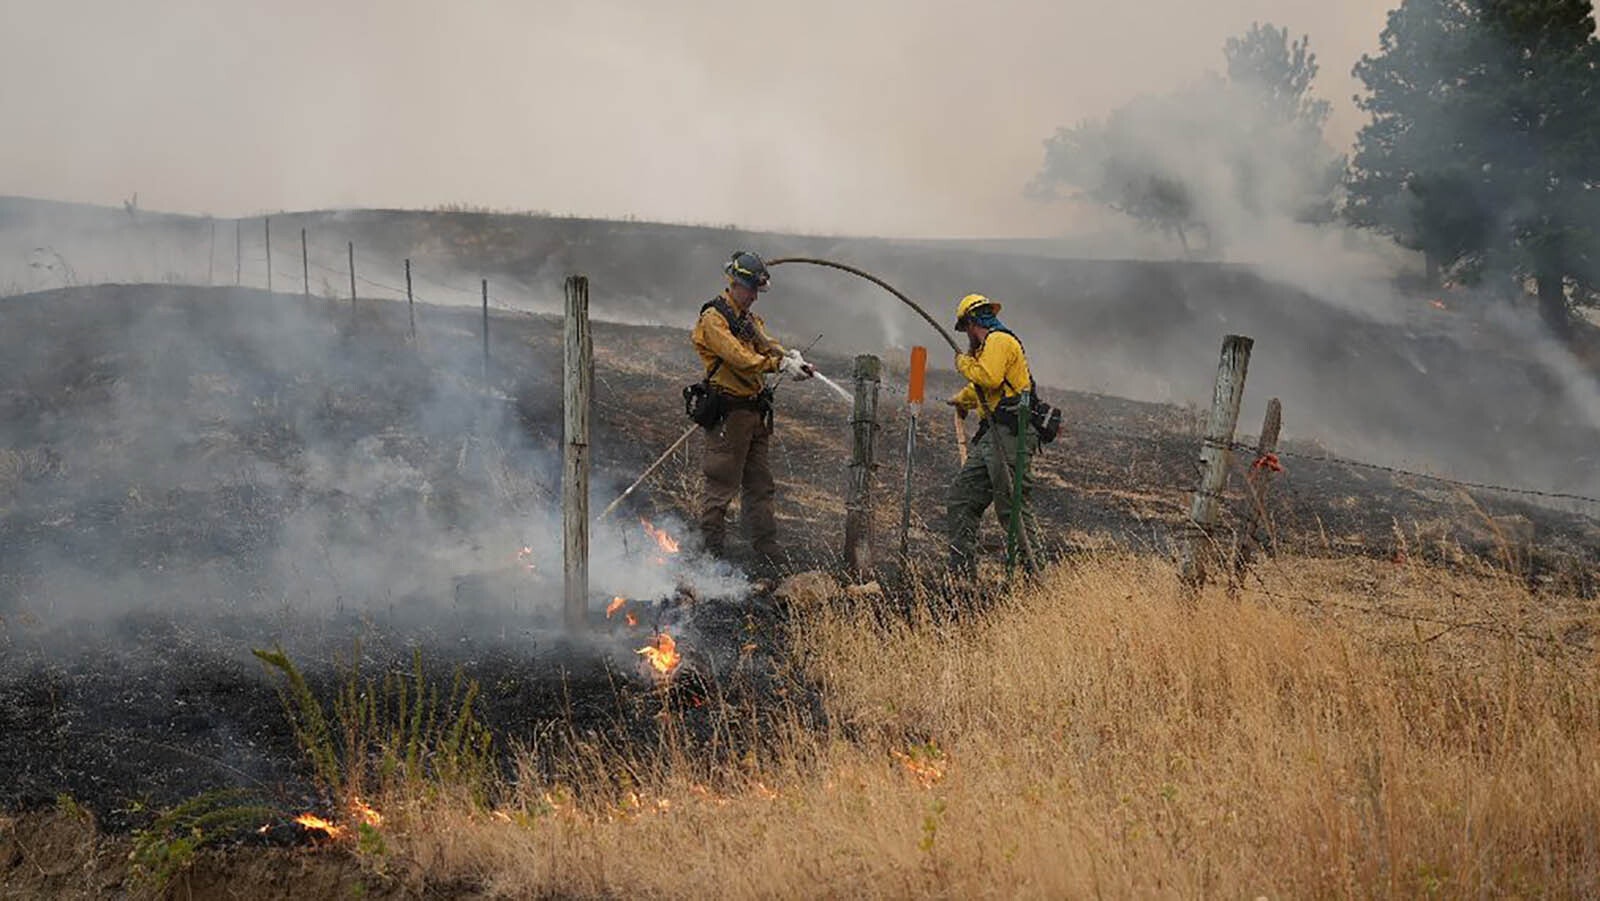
1097,735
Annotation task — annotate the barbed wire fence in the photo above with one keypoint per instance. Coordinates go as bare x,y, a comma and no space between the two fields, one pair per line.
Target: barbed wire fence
1227,536
260,264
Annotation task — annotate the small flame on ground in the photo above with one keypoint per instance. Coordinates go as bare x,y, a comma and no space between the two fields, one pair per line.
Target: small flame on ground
524,553
318,824
615,605
365,813
666,542
662,652
1437,305
633,620
925,763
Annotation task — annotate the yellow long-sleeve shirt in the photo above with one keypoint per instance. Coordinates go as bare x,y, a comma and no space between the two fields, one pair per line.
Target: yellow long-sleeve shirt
998,370
744,360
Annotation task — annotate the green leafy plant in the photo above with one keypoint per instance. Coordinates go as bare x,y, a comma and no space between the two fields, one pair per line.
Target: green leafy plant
401,731
167,847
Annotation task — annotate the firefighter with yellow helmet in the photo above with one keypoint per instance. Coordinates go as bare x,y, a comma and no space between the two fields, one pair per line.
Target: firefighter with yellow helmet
997,374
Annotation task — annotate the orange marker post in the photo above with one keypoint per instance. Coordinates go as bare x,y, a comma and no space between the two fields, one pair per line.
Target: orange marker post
919,372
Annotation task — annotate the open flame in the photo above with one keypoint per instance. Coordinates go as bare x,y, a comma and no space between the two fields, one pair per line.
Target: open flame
365,813
633,620
666,542
525,557
662,652
1437,305
925,763
318,824
615,605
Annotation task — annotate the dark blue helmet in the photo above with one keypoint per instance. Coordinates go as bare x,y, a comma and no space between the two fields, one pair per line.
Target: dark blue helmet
747,269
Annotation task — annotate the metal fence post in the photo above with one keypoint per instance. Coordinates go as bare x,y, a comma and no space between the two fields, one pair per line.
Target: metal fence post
914,391
1256,534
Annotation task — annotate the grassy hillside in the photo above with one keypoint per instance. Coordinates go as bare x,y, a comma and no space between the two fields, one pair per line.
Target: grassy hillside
1400,700
1354,729
1368,370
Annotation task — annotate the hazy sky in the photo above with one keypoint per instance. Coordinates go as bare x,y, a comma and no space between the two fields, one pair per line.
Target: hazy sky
906,117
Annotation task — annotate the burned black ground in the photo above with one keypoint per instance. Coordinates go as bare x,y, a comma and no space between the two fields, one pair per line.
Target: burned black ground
191,473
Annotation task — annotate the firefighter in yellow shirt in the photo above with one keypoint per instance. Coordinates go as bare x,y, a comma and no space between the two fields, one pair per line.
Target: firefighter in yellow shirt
996,369
738,354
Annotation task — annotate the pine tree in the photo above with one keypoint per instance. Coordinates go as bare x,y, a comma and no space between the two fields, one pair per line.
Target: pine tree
1482,148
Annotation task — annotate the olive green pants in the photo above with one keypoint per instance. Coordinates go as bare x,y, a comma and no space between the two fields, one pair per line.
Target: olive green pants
737,458
986,480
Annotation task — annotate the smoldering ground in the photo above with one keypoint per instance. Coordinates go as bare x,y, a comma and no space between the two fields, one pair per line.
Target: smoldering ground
1443,382
193,473
309,478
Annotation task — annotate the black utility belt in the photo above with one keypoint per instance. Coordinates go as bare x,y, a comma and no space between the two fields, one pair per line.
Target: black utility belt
1006,416
1045,419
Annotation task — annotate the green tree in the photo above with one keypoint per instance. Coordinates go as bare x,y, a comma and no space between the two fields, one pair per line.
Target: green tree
1278,73
1216,157
1483,150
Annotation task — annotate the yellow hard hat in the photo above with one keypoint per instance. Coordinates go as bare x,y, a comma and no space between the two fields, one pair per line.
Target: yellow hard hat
970,303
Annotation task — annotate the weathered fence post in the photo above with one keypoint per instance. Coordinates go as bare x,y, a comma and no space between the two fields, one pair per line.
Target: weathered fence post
858,500
1255,535
486,327
577,382
961,435
305,267
350,246
266,229
919,368
1215,452
411,303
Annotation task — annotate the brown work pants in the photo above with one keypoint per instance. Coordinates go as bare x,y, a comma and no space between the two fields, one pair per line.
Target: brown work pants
737,457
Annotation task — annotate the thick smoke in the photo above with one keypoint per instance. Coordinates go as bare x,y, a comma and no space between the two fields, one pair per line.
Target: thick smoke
709,113
1363,368
221,453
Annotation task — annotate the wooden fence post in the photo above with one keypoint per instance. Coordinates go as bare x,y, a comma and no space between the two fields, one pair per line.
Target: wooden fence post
1215,453
577,384
1255,535
266,228
858,500
305,267
351,247
486,326
914,390
411,303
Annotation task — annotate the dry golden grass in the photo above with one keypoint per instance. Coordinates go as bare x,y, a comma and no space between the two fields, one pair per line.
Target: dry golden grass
1096,734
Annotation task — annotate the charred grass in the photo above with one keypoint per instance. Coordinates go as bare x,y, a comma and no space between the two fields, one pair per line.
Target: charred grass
1337,727
1099,733
1379,711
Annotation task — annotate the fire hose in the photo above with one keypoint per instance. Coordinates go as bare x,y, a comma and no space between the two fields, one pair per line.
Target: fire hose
1017,543
1017,540
844,267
